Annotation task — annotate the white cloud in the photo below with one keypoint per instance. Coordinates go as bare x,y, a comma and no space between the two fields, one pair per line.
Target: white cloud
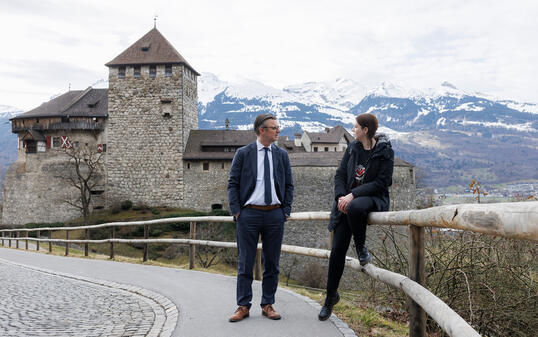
479,46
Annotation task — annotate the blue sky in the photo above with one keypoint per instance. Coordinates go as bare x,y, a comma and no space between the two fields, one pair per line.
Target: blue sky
486,46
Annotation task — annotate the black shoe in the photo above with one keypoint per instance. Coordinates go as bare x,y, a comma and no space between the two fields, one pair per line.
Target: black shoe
327,308
364,255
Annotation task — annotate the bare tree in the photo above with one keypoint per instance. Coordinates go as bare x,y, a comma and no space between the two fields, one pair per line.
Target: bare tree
85,172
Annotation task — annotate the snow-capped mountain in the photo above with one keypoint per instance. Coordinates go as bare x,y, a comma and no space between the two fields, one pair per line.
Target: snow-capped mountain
451,133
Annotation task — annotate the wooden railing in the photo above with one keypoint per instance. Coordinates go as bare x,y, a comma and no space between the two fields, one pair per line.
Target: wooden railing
510,220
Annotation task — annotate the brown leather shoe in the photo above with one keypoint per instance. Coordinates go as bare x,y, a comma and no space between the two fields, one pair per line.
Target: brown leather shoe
269,312
240,313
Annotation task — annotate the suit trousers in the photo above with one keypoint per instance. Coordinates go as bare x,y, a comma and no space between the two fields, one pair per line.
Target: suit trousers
250,224
353,223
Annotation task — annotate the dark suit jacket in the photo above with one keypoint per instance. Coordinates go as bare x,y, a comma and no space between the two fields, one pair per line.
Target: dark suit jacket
243,175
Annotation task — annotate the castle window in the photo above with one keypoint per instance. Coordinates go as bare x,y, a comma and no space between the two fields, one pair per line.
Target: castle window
56,142
167,115
121,72
315,149
326,149
65,119
188,166
152,71
37,121
222,166
168,70
205,166
137,71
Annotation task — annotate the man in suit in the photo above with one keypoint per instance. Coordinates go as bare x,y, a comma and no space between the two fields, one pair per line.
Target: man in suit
260,193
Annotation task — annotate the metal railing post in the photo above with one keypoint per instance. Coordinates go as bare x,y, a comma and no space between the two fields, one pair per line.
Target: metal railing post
417,315
192,247
26,242
50,242
38,236
17,242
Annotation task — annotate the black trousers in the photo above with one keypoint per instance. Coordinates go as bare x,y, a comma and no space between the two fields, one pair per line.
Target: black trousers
352,223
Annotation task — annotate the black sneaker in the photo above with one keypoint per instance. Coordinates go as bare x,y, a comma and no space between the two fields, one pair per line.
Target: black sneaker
364,255
327,308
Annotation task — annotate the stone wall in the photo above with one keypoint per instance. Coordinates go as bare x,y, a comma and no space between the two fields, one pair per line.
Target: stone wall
35,187
204,188
149,121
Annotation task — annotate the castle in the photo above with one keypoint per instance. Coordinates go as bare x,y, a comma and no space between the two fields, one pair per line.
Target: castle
145,125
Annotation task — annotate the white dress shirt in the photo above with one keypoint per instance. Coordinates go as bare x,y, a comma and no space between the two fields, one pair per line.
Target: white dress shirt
258,196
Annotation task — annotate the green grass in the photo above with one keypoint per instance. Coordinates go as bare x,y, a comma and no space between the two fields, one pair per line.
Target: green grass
362,319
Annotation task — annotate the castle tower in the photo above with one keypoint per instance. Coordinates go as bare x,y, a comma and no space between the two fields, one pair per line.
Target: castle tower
152,107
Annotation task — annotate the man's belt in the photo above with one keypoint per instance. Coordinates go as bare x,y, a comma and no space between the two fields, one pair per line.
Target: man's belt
264,208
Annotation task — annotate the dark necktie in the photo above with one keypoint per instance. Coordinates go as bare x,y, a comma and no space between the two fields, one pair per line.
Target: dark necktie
267,177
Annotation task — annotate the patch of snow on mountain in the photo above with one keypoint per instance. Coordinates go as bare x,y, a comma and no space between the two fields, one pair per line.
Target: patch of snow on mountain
524,107
341,93
469,106
7,111
388,89
251,89
421,112
520,127
209,86
441,121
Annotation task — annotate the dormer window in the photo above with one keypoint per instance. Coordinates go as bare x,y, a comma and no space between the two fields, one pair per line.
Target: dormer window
137,71
152,71
121,72
145,46
168,70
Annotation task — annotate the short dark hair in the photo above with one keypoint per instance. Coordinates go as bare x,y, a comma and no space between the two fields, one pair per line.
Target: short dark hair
258,123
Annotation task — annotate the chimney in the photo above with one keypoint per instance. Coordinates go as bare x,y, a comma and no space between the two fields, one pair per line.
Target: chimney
327,130
297,139
227,124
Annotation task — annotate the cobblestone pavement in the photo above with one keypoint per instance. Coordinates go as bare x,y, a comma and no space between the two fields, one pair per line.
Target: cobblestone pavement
35,303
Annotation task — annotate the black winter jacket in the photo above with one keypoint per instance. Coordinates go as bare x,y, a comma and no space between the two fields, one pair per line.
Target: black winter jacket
376,182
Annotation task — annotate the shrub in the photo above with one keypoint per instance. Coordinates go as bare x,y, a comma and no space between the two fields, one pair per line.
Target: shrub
126,205
115,209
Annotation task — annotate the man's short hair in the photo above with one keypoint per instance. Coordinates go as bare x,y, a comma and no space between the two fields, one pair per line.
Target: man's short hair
260,120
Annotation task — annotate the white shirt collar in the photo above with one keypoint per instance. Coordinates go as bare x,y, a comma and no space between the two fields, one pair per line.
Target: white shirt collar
261,146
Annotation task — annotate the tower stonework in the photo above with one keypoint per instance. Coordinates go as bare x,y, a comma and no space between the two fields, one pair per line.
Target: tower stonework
152,99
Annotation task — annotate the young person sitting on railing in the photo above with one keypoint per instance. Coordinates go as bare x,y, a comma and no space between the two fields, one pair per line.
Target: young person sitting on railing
361,186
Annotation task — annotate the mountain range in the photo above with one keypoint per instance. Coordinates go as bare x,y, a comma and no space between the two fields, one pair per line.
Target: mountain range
450,135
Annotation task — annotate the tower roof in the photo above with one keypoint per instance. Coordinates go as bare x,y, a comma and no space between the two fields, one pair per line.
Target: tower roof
152,48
